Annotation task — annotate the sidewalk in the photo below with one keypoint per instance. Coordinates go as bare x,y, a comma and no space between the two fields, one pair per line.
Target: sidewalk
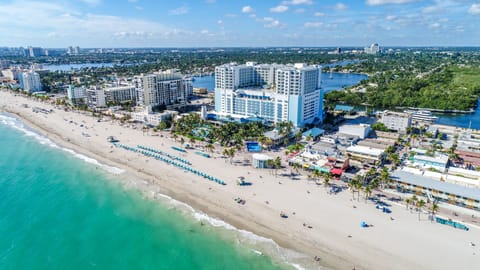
464,215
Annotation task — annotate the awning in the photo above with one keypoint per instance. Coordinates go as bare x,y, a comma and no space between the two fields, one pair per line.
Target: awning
336,171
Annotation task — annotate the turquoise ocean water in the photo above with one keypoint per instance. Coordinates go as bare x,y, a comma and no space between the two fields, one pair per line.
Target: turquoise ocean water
58,211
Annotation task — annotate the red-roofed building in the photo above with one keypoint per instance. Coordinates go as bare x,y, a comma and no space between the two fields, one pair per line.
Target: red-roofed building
468,157
336,172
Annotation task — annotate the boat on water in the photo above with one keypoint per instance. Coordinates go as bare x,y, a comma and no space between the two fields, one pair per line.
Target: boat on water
422,116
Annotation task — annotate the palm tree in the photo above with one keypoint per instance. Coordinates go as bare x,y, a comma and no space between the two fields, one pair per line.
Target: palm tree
231,153
182,140
270,164
210,147
192,141
358,187
239,146
433,209
413,138
326,179
420,204
262,140
298,136
384,177
277,164
414,198
268,143
368,191
284,128
296,167
375,183
352,185
408,201
317,174
225,153
372,172
393,157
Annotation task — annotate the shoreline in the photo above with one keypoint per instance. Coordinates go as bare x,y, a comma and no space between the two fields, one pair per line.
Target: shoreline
332,217
197,206
472,110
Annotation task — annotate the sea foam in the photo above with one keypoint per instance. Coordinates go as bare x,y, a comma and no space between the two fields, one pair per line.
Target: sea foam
285,255
197,215
17,124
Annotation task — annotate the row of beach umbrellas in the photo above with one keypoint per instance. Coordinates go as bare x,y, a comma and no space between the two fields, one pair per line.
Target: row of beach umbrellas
172,162
165,154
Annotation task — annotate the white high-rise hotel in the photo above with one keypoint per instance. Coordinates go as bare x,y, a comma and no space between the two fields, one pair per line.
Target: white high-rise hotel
30,82
163,88
274,92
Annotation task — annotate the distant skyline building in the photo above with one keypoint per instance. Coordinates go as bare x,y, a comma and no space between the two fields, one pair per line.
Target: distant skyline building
30,81
163,88
373,49
273,92
73,50
34,51
4,63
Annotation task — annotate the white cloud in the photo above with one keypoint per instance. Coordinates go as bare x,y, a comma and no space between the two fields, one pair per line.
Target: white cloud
391,17
133,1
319,14
210,1
230,15
431,9
269,22
273,24
340,6
136,34
265,19
385,2
92,2
248,9
474,9
34,21
179,11
204,32
297,2
410,20
300,10
279,9
313,24
435,25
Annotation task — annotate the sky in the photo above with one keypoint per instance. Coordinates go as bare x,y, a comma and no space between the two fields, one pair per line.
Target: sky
236,23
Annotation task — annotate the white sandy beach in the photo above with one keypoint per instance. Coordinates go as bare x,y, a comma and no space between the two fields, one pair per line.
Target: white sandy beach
401,243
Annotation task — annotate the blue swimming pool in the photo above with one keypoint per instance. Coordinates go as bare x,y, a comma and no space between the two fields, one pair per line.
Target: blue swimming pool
253,147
